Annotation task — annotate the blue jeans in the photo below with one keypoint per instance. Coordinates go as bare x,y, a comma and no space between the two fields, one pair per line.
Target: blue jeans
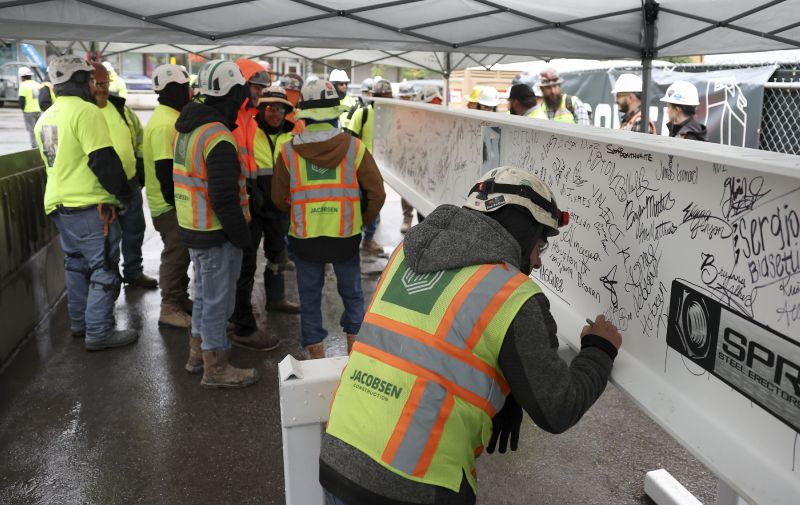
311,279
133,227
216,270
370,229
92,285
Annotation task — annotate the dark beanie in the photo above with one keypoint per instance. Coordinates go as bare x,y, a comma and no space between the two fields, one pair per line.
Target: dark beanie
521,92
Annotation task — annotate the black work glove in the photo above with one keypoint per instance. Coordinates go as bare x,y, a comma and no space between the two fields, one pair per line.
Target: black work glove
506,424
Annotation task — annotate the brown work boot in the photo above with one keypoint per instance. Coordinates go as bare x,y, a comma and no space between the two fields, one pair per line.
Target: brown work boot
283,306
218,373
406,224
372,247
195,362
315,351
289,266
351,339
172,316
256,341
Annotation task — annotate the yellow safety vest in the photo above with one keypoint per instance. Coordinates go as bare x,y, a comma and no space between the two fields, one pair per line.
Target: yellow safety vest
30,90
349,102
425,371
66,133
266,150
361,127
562,113
159,139
325,202
190,177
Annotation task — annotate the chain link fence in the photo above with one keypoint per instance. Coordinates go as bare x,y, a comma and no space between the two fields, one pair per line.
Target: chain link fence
780,118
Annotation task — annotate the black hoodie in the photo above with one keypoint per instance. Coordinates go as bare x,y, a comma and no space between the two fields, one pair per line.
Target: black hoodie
223,169
690,129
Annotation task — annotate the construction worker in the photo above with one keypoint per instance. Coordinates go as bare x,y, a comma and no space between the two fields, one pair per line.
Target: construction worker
321,177
682,100
488,99
558,106
472,99
46,95
366,89
29,100
457,341
628,95
522,100
257,79
171,83
431,94
341,81
292,83
86,188
270,132
361,126
125,132
117,84
213,214
406,92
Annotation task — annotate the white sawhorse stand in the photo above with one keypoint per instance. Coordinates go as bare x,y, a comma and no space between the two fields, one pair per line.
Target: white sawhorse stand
306,391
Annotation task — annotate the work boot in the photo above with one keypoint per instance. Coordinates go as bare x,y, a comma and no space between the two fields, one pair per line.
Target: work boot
406,224
173,316
351,339
186,305
195,362
117,338
283,306
372,247
315,351
81,333
257,341
141,280
218,373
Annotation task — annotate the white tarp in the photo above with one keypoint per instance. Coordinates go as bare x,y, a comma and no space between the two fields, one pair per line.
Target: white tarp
568,28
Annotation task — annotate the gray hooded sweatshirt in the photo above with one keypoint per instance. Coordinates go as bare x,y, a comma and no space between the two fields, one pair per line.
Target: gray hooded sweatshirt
555,395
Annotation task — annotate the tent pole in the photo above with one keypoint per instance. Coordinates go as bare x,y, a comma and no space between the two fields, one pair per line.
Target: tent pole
650,14
447,69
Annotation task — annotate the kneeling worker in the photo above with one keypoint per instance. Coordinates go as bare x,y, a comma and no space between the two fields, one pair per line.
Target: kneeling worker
456,342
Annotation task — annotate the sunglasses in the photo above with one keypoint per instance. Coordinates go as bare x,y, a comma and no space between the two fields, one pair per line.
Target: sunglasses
277,108
543,245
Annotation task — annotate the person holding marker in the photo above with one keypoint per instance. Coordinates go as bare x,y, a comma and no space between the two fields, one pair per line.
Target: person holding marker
456,343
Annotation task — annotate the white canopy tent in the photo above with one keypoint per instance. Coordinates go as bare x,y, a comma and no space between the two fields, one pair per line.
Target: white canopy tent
434,34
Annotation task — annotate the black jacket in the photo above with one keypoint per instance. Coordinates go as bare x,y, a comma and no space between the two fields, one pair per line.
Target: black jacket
261,202
223,169
690,129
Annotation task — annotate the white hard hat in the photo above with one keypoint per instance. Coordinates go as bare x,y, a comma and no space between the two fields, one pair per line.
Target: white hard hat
627,83
166,74
108,66
406,89
681,93
275,94
429,93
338,75
218,77
381,87
24,72
511,185
62,68
489,97
311,78
537,90
319,101
366,84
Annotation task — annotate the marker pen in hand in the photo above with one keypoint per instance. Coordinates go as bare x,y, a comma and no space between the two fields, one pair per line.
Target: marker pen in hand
589,321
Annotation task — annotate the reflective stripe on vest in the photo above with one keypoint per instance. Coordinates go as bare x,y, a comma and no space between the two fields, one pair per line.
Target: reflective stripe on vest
562,113
192,201
342,192
429,344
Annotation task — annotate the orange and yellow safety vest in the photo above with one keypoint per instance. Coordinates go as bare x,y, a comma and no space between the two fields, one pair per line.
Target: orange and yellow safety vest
425,369
192,202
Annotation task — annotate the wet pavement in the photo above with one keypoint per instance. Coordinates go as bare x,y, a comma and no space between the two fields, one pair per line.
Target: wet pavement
130,426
